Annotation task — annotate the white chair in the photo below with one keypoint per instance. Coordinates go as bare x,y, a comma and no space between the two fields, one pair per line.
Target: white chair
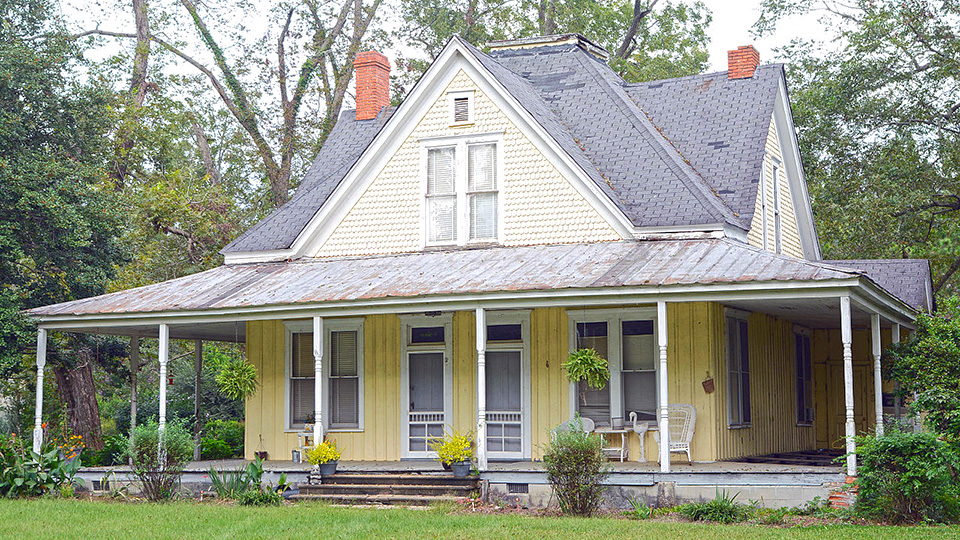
683,420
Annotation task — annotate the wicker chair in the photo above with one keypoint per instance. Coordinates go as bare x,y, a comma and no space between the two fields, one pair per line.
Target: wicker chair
683,420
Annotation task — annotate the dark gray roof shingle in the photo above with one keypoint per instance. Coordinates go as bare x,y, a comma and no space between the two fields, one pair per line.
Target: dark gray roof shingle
907,279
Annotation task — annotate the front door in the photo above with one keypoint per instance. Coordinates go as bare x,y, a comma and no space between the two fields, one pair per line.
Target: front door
426,397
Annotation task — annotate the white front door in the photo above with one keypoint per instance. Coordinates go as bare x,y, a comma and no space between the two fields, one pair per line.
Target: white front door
426,384
508,385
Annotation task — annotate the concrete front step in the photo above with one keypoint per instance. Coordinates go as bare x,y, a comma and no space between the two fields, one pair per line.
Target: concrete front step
388,489
385,499
431,479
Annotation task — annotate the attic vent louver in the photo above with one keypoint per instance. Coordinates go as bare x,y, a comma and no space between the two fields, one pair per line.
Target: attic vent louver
461,109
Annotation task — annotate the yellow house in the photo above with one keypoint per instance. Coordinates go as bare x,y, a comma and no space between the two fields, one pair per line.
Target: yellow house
441,259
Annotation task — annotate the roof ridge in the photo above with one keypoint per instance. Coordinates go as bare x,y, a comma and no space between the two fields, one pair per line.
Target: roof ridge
696,75
684,170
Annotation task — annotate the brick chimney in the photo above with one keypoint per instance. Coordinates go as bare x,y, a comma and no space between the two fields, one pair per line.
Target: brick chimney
742,62
373,83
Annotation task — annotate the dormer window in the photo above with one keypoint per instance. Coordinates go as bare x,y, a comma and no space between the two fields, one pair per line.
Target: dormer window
461,108
461,199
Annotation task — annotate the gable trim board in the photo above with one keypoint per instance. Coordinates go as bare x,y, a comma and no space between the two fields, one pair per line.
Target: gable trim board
454,58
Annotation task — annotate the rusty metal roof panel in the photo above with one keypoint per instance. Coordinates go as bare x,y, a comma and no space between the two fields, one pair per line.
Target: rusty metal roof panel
452,272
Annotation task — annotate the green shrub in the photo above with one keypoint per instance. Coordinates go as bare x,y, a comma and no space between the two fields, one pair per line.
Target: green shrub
576,468
159,470
232,484
113,452
214,449
228,431
722,509
907,478
25,473
260,497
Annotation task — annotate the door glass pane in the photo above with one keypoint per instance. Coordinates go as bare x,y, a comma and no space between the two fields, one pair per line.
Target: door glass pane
426,381
503,380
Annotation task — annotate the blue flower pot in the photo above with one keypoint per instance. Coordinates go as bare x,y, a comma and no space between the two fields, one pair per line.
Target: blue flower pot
328,469
460,470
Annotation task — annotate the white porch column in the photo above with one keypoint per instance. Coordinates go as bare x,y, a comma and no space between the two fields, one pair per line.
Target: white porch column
317,380
481,389
38,415
164,354
846,336
877,380
895,338
662,388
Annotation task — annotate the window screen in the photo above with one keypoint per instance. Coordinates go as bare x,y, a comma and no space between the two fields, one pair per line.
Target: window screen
639,370
441,195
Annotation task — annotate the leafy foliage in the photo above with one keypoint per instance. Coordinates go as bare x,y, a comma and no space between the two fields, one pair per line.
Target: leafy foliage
587,365
159,467
908,478
928,367
230,432
453,448
25,473
232,484
260,497
325,452
576,468
721,509
211,448
237,379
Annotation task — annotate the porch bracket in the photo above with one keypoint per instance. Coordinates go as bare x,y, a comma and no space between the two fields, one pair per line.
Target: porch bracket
481,389
846,336
164,356
662,390
877,380
317,380
41,363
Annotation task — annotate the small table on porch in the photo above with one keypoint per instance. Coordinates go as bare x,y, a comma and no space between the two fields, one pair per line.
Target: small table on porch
609,448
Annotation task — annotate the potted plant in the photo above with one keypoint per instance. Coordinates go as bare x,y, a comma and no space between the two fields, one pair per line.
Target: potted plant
325,456
587,365
456,450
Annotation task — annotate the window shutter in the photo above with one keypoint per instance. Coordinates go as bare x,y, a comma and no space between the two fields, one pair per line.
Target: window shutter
461,109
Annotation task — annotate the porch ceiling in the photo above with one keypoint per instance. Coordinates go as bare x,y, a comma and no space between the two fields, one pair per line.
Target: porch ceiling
809,312
235,332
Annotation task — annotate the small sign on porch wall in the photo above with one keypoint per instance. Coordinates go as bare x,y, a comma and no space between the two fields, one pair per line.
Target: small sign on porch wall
708,385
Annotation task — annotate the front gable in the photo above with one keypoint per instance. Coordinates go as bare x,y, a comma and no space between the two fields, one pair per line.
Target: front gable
537,203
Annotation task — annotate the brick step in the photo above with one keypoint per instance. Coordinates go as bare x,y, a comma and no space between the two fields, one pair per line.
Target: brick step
400,479
401,500
385,489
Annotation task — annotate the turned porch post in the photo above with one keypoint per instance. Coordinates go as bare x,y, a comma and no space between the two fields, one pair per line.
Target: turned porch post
846,336
662,390
481,389
317,380
41,362
877,380
895,338
164,354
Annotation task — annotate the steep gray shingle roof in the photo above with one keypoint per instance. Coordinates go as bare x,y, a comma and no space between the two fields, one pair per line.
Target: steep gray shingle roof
348,139
719,124
907,279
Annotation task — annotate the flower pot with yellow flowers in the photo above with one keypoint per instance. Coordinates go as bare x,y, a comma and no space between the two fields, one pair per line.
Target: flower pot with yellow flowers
325,457
456,450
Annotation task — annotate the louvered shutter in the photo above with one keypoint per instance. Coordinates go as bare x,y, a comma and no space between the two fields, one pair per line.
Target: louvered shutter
441,196
461,109
482,191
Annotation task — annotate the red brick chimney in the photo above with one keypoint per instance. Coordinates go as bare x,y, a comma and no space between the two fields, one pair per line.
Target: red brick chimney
373,83
742,62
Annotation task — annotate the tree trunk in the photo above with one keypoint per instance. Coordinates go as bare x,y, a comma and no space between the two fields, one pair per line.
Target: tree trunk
79,398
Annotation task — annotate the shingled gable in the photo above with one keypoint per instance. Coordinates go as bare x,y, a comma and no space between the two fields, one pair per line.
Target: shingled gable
636,169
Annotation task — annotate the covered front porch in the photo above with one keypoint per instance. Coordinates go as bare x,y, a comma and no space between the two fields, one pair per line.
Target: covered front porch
387,361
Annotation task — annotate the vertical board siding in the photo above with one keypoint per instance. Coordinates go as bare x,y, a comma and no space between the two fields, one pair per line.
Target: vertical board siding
464,372
772,394
827,350
550,390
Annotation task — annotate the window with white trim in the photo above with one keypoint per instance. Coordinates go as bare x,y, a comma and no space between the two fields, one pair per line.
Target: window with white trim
804,377
462,193
738,371
777,230
628,341
342,371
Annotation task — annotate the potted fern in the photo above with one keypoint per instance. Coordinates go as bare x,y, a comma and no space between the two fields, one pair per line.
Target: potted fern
325,456
456,450
587,365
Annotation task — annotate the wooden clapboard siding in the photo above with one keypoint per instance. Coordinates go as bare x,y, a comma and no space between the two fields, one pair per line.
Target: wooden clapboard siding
772,395
550,390
829,389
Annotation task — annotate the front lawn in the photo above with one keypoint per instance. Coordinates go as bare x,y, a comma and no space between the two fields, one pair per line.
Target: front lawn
68,518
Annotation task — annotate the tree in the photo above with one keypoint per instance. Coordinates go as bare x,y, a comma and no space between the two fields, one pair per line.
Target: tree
59,217
928,369
878,115
648,39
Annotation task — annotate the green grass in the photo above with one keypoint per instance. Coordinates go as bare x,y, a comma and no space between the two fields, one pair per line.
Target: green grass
49,518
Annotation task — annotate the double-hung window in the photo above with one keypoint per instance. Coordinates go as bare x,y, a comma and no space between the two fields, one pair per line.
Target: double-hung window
462,192
738,371
804,374
342,372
